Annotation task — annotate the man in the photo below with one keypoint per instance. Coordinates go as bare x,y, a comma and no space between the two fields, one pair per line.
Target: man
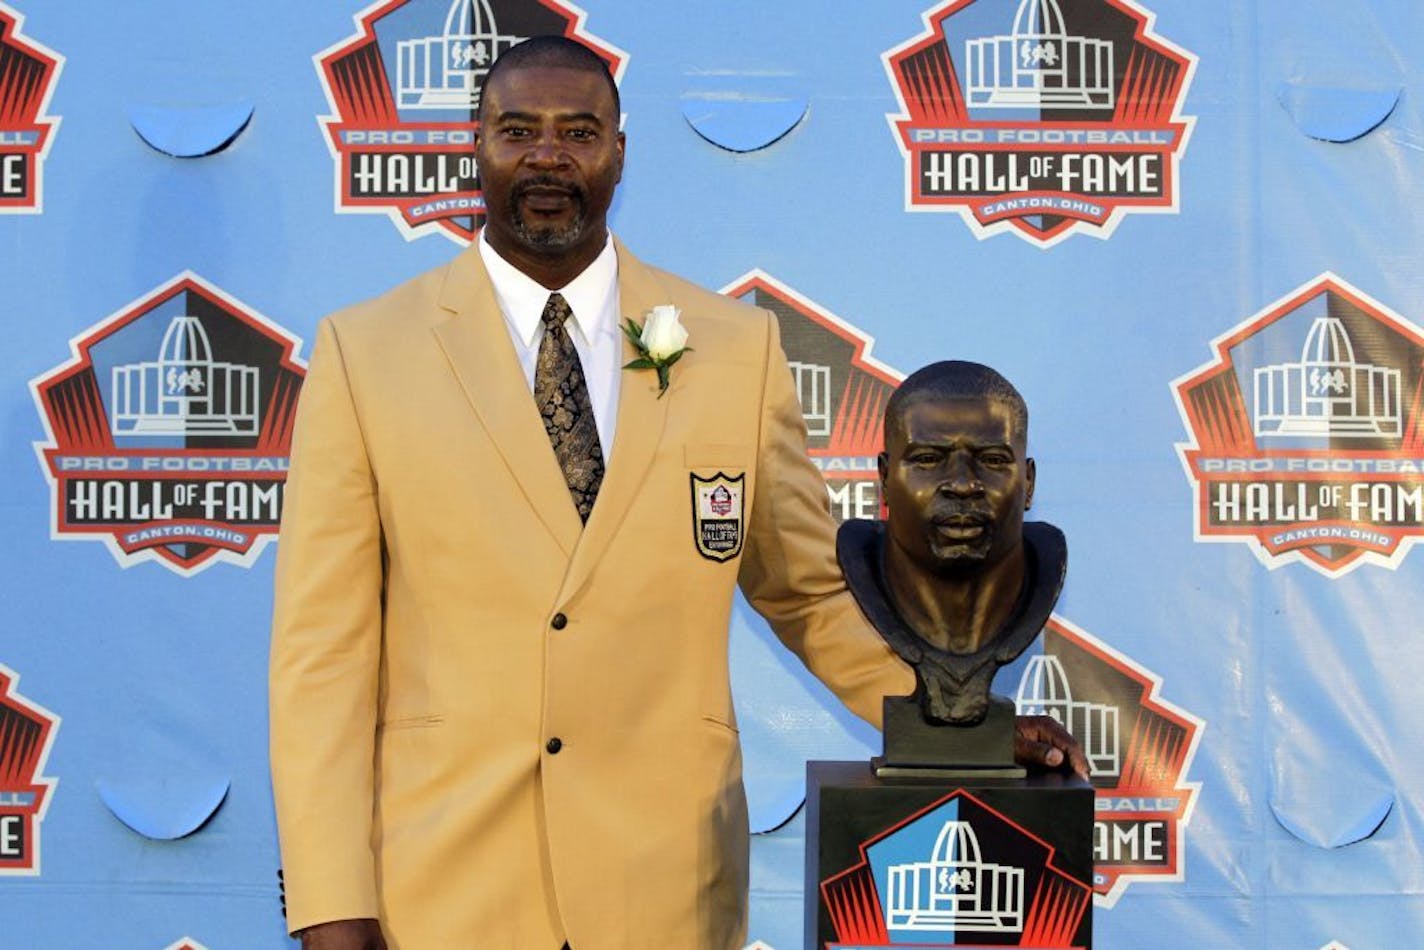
954,579
500,703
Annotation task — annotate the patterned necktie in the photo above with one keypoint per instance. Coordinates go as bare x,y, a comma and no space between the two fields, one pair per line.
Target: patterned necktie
562,397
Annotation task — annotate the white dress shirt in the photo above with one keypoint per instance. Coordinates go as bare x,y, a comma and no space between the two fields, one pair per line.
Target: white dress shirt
593,298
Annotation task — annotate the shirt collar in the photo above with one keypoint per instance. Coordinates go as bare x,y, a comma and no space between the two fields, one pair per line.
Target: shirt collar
592,295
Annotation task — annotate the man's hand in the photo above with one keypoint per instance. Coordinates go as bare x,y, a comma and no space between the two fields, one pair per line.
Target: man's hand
1041,742
363,934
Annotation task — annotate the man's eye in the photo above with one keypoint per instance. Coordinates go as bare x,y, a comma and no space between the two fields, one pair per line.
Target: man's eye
514,132
923,458
581,135
995,458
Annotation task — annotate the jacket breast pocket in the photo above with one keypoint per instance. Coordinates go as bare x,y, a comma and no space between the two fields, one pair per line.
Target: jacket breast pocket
729,457
717,482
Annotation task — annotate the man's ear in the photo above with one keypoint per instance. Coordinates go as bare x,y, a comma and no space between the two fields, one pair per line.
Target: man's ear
1030,477
882,462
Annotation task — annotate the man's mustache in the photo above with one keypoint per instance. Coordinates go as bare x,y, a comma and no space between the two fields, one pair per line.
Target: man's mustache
548,182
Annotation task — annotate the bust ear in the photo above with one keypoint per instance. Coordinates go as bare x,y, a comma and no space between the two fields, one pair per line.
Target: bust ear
1030,477
882,462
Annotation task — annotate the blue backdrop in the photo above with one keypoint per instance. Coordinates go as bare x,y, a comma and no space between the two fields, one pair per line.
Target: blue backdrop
1237,628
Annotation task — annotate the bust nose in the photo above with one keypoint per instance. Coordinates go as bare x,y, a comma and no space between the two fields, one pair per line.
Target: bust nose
960,477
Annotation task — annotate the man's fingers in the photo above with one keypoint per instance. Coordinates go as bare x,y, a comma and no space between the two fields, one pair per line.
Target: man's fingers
1079,762
1042,741
1029,751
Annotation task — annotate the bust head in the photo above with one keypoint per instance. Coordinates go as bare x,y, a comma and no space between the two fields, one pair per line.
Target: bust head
955,580
955,473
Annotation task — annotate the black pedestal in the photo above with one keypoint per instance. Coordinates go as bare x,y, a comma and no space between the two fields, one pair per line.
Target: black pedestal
926,862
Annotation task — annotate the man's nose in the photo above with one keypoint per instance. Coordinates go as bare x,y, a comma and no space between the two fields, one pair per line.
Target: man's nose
546,151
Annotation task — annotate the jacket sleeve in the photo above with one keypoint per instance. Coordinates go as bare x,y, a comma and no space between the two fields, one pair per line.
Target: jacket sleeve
789,571
326,650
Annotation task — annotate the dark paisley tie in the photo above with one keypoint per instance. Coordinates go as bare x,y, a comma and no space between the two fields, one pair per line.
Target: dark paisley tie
562,397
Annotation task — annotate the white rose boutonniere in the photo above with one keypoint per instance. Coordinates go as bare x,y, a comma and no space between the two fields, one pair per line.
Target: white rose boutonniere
660,341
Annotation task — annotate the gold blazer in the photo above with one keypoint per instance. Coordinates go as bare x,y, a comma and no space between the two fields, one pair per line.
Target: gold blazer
442,617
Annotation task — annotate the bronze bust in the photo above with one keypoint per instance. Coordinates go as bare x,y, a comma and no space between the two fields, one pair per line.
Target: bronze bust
955,580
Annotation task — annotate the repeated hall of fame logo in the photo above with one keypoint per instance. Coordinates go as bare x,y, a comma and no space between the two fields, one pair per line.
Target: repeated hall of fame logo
958,873
842,388
1139,747
1305,432
1042,118
170,428
28,75
27,732
404,93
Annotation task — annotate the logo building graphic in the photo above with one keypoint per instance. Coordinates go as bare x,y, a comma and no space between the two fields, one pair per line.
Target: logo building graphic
1040,118
1327,392
1140,748
404,93
28,75
955,873
26,734
955,889
445,71
169,429
185,391
842,389
1040,64
1304,428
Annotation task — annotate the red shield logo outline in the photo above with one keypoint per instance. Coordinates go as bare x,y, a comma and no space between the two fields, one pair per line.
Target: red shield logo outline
30,71
1140,748
168,430
27,732
1048,916
1325,464
1111,142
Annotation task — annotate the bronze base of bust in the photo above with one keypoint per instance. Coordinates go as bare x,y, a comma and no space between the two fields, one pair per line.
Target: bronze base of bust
916,748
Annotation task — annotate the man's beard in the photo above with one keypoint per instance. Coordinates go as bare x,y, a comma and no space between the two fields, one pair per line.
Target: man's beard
549,237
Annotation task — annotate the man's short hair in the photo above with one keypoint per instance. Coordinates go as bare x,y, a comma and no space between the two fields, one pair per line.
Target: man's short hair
558,51
954,379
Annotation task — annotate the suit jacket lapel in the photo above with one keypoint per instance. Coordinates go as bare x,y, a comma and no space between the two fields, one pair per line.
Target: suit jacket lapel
476,342
641,415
